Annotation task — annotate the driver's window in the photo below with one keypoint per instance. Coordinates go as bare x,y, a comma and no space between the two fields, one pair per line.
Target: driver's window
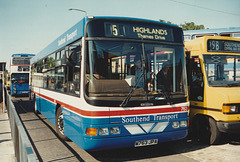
73,69
197,84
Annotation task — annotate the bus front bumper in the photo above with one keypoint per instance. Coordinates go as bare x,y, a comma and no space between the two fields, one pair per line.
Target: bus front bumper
229,127
92,144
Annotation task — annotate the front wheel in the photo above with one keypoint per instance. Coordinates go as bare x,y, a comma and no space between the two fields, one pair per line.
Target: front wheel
209,132
215,133
35,105
59,125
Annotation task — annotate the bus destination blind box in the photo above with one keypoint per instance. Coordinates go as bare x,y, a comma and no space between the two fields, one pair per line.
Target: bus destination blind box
215,45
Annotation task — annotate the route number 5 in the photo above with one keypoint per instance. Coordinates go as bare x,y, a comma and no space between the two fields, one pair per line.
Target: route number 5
114,30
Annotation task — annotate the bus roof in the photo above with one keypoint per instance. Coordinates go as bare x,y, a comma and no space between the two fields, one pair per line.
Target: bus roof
134,19
77,31
217,31
23,55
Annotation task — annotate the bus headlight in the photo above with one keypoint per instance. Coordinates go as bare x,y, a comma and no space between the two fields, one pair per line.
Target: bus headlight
230,108
115,130
175,124
183,123
103,131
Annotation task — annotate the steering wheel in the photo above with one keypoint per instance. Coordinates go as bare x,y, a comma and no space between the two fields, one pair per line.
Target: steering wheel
213,76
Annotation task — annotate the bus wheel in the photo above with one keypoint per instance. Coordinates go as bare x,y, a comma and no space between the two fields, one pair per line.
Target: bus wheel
215,133
59,124
209,132
35,105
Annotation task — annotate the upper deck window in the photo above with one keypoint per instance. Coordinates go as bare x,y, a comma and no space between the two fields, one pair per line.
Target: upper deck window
21,61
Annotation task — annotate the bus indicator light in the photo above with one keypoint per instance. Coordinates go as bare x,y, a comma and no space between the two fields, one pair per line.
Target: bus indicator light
91,131
230,109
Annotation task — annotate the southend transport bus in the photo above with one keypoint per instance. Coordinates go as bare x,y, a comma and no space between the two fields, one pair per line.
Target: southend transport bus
100,83
227,32
19,73
214,78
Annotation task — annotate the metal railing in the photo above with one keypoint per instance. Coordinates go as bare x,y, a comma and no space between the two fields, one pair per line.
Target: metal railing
23,148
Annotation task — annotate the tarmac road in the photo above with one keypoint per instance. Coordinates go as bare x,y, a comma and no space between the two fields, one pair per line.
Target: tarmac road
49,147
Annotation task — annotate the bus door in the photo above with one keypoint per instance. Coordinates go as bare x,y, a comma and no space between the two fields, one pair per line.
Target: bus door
195,77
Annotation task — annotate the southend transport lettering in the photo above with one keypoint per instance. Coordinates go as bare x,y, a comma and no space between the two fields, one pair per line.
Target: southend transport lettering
67,38
147,33
136,119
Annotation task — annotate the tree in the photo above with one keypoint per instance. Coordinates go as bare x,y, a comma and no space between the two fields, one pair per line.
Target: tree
191,26
169,22
186,25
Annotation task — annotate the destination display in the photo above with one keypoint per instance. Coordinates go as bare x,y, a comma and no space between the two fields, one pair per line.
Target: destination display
215,45
135,31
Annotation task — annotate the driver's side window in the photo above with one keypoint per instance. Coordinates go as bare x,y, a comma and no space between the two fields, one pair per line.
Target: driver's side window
197,84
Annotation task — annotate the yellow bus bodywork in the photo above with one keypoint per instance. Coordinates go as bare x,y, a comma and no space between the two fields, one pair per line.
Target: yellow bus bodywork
214,98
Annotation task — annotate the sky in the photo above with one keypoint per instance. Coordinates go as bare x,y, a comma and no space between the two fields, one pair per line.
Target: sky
28,26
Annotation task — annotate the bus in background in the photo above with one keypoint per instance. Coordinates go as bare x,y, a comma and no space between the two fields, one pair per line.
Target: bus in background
227,32
214,78
99,83
20,73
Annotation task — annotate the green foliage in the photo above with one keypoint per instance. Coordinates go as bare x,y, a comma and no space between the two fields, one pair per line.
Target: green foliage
186,25
191,26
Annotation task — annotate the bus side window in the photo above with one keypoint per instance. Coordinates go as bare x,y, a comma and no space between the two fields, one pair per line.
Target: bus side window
197,84
73,69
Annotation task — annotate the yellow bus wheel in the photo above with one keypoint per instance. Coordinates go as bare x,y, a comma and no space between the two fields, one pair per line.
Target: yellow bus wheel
208,131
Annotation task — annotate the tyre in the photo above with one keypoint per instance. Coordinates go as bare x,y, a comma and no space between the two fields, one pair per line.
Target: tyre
35,105
215,133
31,95
59,125
194,129
208,131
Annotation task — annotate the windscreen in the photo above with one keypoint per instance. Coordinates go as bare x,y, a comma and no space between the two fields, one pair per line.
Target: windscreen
222,70
20,78
130,71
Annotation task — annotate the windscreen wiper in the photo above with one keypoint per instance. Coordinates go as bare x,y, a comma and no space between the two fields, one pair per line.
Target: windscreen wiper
167,95
125,101
144,75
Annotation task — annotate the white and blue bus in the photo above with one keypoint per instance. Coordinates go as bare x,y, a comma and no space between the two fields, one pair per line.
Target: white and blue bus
227,32
20,73
99,83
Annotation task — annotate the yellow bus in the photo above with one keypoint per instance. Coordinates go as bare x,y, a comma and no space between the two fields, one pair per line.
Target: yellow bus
213,65
8,81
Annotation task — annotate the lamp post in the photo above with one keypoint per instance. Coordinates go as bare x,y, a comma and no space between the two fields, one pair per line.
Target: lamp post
85,12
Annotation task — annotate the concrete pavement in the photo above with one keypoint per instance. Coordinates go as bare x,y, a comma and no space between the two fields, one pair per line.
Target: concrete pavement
6,142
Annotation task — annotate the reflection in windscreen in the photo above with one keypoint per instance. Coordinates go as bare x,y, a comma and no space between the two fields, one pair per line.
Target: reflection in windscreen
20,78
115,68
222,70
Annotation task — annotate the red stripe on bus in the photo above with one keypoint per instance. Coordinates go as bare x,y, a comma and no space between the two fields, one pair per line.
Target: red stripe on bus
76,110
20,65
114,113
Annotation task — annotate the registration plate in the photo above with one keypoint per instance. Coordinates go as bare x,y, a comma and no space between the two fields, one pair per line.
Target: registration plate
146,142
